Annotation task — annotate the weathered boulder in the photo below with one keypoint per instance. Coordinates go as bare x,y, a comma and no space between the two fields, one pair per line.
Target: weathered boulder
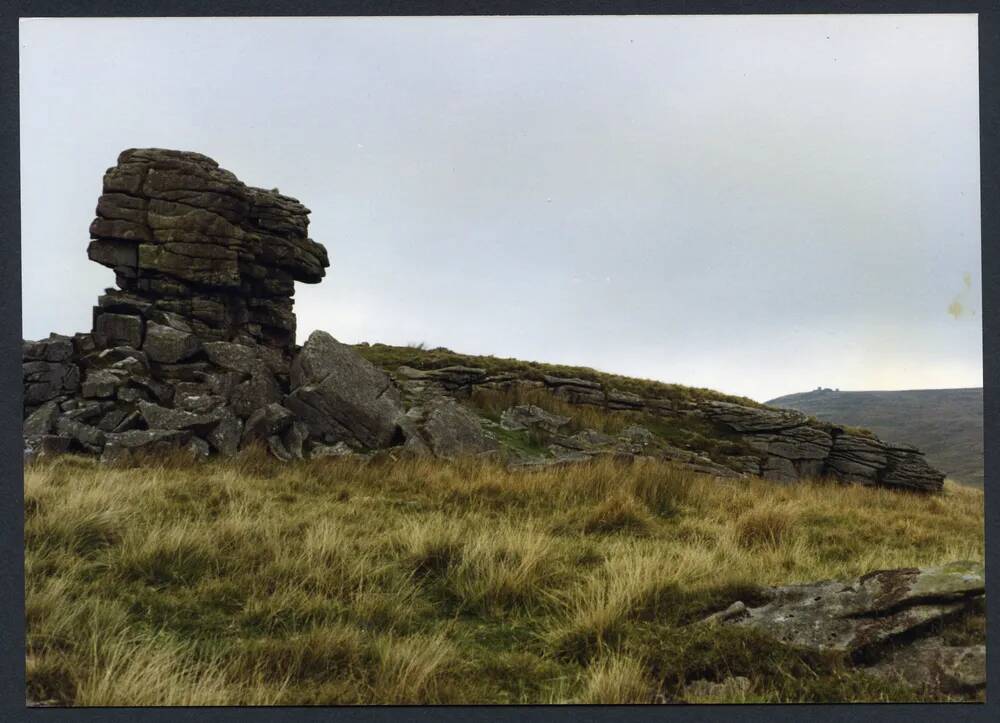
752,419
268,421
168,345
104,383
343,397
451,430
120,446
158,417
528,416
42,421
118,330
49,369
89,437
855,616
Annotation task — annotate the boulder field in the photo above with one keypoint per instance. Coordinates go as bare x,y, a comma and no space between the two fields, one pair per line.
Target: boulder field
195,350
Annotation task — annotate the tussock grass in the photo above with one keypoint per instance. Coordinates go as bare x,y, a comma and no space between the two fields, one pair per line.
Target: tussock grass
617,680
420,581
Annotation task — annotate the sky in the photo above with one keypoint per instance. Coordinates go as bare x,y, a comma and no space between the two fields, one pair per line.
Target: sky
759,205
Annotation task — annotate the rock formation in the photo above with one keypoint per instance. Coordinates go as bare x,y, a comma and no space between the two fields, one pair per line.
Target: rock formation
195,350
197,252
888,622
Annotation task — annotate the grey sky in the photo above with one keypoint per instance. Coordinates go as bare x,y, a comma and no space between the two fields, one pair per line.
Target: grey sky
755,204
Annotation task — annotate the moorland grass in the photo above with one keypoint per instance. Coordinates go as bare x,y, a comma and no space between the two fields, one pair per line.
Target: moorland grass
419,581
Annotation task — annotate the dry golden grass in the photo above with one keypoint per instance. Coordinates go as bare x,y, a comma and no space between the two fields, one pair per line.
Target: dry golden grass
419,581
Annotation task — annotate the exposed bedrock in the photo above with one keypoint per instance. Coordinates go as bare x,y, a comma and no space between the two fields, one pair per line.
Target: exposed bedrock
890,623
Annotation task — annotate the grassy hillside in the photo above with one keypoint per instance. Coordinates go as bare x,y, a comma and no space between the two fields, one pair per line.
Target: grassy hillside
390,357
419,581
946,424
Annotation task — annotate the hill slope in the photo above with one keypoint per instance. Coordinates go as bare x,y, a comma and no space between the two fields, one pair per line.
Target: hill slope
947,424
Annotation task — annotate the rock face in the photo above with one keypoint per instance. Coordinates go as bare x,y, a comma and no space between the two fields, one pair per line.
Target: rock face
794,447
186,237
194,348
343,397
889,621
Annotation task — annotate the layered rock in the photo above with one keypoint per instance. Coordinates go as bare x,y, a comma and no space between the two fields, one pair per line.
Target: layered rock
187,238
889,622
193,351
778,444
795,446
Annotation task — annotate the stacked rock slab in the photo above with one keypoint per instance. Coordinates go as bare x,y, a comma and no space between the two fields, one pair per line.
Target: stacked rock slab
794,446
193,349
196,251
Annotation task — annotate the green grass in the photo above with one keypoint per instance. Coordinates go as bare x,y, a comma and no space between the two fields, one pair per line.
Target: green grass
420,581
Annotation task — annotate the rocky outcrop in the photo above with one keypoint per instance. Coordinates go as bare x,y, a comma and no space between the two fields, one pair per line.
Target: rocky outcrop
187,238
195,351
781,445
889,622
794,446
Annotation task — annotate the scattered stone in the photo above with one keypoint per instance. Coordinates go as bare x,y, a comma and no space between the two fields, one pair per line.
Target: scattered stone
340,449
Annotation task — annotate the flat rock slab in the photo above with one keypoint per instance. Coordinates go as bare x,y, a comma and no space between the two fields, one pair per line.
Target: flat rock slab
850,617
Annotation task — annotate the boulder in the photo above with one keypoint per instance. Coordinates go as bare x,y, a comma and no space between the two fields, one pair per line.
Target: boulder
45,379
168,345
341,396
103,383
258,391
528,416
158,417
226,435
451,430
268,421
118,330
46,445
240,358
741,418
152,441
857,615
339,449
89,437
42,421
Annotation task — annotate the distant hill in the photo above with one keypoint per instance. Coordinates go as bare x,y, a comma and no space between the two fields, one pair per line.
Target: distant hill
947,424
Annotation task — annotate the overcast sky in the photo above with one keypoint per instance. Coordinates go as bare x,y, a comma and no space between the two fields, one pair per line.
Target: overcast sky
759,205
